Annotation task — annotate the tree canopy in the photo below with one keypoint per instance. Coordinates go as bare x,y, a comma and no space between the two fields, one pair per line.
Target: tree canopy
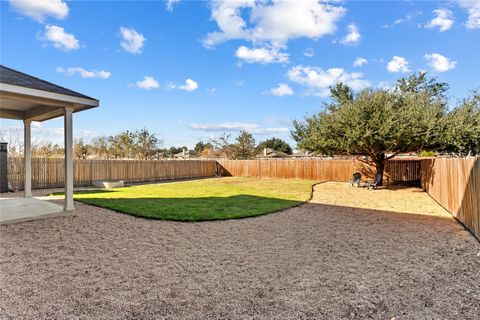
462,127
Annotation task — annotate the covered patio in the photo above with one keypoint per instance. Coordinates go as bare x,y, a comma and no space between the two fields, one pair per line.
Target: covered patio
27,98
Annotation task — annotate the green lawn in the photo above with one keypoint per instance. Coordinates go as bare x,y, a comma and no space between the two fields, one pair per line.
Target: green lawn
206,199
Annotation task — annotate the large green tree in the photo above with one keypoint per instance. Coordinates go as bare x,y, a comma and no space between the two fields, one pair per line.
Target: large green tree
378,123
275,144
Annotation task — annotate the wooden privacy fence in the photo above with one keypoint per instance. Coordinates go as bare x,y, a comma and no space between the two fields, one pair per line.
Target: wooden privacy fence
334,170
455,185
49,173
319,169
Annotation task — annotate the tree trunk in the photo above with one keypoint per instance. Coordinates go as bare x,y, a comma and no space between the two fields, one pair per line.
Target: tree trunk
380,166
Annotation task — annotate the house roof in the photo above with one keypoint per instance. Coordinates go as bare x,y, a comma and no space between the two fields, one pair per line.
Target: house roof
17,78
25,97
271,153
187,153
304,154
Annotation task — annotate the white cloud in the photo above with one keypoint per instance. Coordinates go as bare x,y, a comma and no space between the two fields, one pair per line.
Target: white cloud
211,92
170,4
309,52
60,39
39,10
282,90
409,16
102,74
147,83
274,22
268,131
473,9
439,63
237,126
398,64
359,61
132,40
190,85
261,55
318,81
224,126
443,20
353,35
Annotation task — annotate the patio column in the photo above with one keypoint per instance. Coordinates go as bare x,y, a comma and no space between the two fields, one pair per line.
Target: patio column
27,158
68,130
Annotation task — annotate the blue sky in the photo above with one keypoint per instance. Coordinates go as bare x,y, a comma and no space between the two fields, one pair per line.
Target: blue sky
190,70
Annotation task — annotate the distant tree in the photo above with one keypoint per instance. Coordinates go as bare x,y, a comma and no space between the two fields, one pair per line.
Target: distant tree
47,150
200,146
244,148
223,147
174,150
375,123
146,144
275,144
100,147
138,144
13,136
122,145
80,149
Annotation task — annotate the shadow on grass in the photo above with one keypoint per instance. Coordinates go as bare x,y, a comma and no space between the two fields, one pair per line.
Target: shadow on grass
187,209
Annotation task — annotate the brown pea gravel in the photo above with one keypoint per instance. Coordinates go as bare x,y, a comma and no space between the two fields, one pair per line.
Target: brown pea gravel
316,261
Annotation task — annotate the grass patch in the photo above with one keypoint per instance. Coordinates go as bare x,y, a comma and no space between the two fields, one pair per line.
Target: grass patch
199,200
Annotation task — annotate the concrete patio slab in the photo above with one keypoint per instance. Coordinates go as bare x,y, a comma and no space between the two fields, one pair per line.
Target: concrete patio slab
24,209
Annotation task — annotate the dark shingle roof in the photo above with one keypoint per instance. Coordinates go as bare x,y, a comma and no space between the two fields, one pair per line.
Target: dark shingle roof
17,78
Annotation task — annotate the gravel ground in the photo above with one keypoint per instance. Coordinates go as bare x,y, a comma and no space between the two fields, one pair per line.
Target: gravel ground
316,261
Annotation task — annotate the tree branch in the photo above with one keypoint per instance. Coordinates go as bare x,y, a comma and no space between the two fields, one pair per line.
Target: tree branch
390,157
370,163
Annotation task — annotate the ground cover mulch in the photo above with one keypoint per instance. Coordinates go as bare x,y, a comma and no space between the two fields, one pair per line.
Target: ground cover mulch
321,260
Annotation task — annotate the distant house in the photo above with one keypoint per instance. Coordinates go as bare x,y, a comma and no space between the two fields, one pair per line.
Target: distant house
187,154
304,154
268,153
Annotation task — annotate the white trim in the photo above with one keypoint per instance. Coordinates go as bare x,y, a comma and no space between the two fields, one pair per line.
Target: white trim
27,158
47,95
68,147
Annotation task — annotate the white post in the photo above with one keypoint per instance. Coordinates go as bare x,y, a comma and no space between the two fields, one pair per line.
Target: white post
68,131
27,158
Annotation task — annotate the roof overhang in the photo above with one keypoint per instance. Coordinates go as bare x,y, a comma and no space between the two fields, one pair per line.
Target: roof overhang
23,103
